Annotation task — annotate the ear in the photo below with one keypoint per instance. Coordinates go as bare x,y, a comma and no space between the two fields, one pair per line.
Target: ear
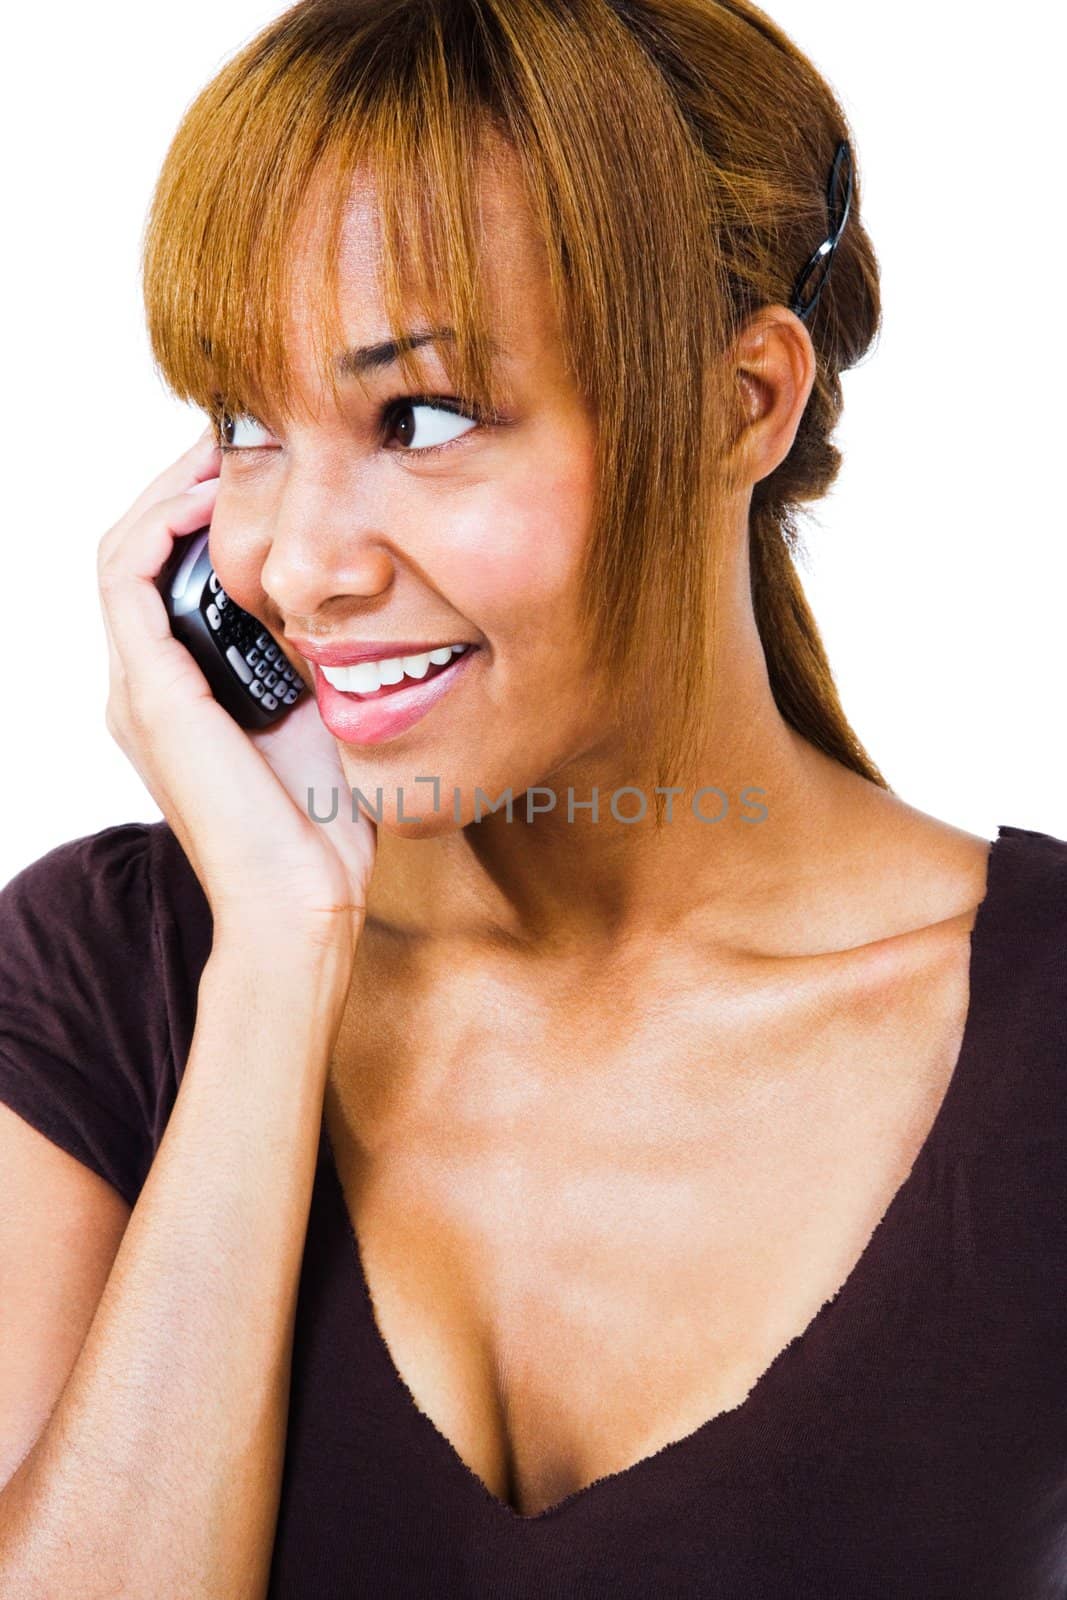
774,364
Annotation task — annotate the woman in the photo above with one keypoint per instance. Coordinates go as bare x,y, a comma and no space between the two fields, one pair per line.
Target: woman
652,1195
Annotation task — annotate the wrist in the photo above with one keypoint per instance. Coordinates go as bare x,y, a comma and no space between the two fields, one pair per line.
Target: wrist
300,955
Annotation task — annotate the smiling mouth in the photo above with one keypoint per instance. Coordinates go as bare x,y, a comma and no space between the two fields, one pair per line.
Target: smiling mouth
434,670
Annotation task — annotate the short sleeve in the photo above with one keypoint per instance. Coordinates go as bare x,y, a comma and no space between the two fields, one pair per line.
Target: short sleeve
84,1043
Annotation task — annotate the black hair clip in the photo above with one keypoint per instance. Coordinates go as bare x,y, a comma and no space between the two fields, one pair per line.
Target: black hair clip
812,280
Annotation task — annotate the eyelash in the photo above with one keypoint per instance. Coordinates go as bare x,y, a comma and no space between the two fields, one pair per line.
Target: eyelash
387,415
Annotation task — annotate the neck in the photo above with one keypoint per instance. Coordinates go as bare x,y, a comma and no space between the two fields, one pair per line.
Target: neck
550,883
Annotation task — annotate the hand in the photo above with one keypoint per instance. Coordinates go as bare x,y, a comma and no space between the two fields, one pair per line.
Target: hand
237,800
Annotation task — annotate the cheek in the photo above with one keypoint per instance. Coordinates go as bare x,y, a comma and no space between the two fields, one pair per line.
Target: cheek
237,555
514,564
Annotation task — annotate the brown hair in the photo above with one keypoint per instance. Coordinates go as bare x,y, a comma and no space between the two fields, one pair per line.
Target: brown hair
675,154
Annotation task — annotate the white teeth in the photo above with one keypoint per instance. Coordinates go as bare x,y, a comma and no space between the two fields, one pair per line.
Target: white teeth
364,677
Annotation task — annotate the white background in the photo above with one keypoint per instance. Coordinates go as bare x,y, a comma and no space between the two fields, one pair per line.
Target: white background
937,566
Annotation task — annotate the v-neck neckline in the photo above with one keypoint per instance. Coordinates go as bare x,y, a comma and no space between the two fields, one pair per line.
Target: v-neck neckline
775,1374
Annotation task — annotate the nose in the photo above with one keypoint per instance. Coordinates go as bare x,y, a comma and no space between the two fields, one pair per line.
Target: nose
325,546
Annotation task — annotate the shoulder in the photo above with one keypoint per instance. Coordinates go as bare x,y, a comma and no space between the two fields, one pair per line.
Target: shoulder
72,861
1027,893
112,927
1017,1029
102,940
117,881
75,892
1010,1095
1046,850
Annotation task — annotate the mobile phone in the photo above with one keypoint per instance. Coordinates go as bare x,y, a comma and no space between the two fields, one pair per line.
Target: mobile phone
244,665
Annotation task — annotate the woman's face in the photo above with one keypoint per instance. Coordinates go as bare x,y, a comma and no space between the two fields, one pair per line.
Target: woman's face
346,530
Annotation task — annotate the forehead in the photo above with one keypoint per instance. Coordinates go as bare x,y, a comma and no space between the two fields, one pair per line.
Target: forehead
511,259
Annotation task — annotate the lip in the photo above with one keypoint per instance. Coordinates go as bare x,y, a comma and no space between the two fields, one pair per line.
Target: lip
347,655
372,721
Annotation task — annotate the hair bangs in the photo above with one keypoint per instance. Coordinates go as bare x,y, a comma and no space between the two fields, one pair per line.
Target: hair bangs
277,140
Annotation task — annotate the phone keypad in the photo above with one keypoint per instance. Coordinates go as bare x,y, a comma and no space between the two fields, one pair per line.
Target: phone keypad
255,659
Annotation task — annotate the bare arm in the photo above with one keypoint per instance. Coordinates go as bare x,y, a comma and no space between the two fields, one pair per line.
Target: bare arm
158,1471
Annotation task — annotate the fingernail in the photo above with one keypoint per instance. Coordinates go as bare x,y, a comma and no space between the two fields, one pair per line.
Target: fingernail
205,483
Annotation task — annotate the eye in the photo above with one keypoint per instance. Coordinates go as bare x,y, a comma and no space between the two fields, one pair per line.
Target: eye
423,423
432,421
231,431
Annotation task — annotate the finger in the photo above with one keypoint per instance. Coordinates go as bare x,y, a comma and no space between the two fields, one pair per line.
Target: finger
135,616
184,470
200,461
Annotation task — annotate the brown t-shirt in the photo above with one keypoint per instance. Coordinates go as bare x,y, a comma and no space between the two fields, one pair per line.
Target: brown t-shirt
910,1443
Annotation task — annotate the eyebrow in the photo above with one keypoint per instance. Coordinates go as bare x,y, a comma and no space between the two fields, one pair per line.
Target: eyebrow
363,358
